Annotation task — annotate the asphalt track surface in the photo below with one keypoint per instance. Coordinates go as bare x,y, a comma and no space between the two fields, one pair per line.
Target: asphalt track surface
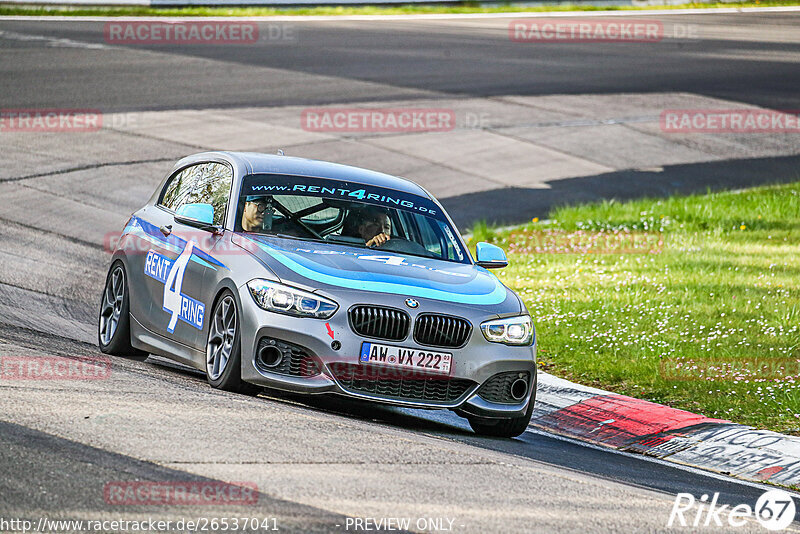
416,58
315,461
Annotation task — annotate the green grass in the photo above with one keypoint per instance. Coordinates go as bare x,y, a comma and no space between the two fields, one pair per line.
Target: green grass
721,290
462,7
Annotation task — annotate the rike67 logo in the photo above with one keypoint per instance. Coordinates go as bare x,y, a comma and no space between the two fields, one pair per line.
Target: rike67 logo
775,510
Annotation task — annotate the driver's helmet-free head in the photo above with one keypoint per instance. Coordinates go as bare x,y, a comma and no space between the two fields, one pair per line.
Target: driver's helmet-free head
266,202
358,216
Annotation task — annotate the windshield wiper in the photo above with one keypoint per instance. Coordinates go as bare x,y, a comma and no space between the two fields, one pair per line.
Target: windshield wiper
345,240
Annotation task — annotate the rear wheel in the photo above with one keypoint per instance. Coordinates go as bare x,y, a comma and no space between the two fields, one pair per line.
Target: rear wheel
504,428
114,323
224,350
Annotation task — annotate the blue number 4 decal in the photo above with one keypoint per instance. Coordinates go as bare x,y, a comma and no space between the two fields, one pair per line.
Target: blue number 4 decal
173,285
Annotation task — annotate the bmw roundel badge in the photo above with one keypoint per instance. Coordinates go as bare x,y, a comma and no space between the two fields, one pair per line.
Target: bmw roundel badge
412,303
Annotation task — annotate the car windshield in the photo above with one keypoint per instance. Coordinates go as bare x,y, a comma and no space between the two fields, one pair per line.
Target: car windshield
348,213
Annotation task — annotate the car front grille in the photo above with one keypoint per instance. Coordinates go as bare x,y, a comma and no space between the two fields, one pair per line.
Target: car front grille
400,384
379,322
441,330
498,388
295,361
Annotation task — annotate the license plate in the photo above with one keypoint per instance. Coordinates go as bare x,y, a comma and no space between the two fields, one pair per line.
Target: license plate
419,360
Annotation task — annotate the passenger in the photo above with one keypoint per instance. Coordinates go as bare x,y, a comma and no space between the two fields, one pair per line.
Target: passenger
371,224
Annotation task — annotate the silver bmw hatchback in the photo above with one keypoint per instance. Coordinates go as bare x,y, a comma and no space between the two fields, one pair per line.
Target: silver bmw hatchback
313,277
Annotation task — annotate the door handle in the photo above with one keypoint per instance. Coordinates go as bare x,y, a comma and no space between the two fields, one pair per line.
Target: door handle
166,229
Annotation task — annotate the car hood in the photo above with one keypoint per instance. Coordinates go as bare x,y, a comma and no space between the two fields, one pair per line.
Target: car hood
327,266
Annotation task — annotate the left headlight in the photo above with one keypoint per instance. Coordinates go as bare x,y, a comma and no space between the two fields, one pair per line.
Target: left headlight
511,330
279,298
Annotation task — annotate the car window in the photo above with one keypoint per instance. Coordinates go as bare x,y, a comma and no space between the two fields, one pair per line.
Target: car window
429,238
205,183
353,214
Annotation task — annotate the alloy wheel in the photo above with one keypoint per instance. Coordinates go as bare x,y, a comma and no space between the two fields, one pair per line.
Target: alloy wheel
221,337
112,305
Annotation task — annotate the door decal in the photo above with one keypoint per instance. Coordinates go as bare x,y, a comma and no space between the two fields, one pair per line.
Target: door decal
170,273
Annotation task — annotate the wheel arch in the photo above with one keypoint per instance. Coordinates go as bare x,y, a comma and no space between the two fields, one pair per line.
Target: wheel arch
231,380
225,283
222,285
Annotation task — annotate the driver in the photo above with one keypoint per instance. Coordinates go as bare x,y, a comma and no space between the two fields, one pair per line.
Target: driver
371,224
253,215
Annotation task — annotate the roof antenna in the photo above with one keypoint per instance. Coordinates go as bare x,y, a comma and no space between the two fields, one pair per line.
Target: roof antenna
280,152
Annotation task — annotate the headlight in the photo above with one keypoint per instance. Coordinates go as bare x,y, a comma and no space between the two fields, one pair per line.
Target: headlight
511,331
279,298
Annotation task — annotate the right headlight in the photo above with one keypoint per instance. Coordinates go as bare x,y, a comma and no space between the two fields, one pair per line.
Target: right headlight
511,330
289,300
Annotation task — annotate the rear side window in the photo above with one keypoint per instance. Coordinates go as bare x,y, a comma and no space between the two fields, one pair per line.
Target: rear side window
205,183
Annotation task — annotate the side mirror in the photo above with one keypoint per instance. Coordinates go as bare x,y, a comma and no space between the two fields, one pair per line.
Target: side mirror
202,213
490,256
198,215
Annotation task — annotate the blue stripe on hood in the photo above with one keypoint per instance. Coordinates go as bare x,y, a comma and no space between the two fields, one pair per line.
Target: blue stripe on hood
481,287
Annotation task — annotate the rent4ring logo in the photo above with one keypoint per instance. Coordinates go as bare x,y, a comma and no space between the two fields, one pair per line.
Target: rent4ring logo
775,510
171,273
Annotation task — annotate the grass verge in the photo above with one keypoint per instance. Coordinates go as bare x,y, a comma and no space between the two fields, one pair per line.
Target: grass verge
405,9
701,311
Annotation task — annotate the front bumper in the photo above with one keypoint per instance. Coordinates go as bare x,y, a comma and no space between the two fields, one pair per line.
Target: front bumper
472,366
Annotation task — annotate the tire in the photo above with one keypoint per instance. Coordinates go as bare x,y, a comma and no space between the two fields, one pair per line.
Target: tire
224,350
505,428
114,321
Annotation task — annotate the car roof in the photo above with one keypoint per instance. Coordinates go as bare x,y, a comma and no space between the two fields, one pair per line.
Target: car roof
257,163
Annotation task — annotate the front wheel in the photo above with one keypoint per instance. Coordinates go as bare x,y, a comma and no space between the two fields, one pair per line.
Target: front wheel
114,323
224,348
